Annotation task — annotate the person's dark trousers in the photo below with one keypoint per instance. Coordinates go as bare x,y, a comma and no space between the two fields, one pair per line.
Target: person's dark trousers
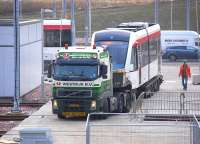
184,82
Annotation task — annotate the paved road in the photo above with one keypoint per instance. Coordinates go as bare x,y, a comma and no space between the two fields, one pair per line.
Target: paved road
72,131
172,82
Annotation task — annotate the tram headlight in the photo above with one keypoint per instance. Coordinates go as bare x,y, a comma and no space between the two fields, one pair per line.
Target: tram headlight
55,104
93,105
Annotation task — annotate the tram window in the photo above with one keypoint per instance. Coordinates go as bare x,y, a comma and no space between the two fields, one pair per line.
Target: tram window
52,38
134,58
66,37
145,55
153,49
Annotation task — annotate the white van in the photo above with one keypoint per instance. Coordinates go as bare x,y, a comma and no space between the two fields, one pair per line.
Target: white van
179,38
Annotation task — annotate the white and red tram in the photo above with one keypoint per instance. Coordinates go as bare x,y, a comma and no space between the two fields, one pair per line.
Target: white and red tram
135,49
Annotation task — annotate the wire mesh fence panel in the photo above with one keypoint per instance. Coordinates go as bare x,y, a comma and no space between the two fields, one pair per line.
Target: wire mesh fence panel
195,131
169,103
129,129
139,134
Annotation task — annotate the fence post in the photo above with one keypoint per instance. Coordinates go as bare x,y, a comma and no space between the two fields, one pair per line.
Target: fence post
88,130
134,104
88,134
195,131
182,96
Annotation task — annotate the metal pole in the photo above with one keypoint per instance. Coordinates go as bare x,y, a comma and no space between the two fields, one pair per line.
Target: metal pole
42,37
88,129
60,33
90,20
197,16
20,9
156,9
64,8
87,21
16,107
54,8
197,19
187,10
171,14
73,22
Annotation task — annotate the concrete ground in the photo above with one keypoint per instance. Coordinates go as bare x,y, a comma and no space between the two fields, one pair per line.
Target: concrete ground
172,82
72,131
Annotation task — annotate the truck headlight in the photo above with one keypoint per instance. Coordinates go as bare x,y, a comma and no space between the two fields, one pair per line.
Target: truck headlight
93,105
55,104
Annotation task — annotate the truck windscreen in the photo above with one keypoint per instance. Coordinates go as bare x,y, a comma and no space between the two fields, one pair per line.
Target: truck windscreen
75,72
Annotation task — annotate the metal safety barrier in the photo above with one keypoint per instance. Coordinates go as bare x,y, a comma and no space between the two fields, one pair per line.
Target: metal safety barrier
196,131
168,103
129,128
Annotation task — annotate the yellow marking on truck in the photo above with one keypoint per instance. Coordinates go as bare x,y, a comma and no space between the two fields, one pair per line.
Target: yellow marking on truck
74,114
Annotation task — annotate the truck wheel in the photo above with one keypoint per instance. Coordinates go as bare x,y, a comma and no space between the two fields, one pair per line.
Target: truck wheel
172,58
133,101
120,103
60,116
128,103
105,106
105,109
148,94
157,86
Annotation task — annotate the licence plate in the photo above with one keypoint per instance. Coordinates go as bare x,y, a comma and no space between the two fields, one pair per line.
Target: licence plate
75,114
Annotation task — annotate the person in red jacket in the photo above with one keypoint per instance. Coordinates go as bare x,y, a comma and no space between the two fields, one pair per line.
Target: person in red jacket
184,73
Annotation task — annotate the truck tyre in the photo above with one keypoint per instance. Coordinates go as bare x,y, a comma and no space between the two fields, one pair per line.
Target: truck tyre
147,93
105,106
120,103
172,57
128,103
105,109
60,116
157,86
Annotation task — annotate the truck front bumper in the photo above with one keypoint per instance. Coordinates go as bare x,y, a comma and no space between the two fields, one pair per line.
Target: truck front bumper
73,106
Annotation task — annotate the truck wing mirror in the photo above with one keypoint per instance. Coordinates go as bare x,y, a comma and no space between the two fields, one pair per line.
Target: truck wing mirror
103,71
49,71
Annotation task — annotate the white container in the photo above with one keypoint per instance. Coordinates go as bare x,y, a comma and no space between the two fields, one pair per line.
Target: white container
30,57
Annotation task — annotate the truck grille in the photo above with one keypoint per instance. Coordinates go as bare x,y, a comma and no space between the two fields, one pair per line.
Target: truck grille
74,93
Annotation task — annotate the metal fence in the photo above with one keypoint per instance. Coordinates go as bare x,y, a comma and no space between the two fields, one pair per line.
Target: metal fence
196,131
168,103
133,128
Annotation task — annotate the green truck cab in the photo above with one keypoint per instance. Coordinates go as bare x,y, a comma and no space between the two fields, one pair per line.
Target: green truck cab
81,80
